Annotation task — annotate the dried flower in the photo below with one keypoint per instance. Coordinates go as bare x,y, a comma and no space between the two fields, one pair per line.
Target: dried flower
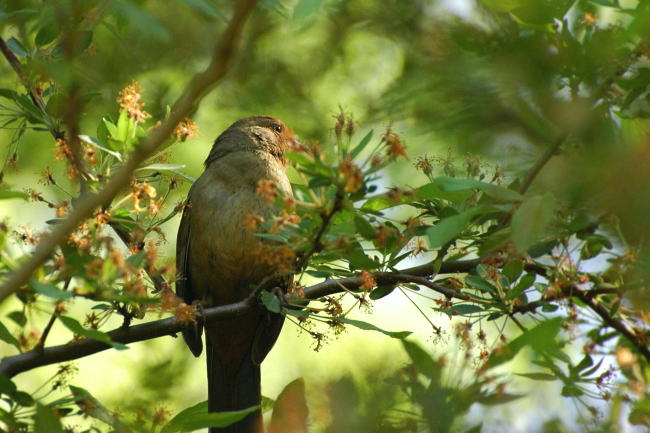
62,151
352,175
625,357
266,188
101,217
395,145
367,281
46,177
142,192
62,209
161,415
90,155
251,222
424,164
589,19
129,100
186,129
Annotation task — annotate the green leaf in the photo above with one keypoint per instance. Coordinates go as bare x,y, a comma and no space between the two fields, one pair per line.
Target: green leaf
434,191
571,390
163,167
299,159
271,237
6,194
498,398
542,248
18,317
17,48
76,327
6,336
206,7
476,282
476,429
362,144
46,421
541,338
111,128
9,94
197,417
640,413
449,228
142,20
538,376
359,260
50,290
513,269
466,309
305,9
500,193
92,407
123,127
271,302
364,228
424,363
95,143
525,282
23,399
370,327
47,34
7,386
382,291
531,219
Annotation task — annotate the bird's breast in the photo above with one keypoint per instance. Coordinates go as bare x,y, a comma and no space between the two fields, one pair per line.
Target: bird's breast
224,257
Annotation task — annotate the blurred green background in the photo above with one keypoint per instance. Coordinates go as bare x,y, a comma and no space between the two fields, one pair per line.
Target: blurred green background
499,79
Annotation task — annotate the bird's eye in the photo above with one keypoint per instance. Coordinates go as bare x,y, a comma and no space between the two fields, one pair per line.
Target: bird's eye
277,127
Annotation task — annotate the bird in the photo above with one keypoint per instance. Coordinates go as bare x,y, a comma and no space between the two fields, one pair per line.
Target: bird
217,263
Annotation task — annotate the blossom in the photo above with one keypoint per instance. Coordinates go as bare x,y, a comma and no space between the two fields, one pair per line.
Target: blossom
251,221
395,145
129,100
266,188
367,281
352,175
185,129
62,151
141,192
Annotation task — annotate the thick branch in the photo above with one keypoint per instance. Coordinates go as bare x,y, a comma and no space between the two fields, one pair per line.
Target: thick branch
13,365
193,93
10,366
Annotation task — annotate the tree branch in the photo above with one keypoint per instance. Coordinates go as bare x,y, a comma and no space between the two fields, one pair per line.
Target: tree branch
10,366
541,162
638,341
194,92
13,365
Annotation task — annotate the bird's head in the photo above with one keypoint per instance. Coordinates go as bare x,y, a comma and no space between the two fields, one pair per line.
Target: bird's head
255,133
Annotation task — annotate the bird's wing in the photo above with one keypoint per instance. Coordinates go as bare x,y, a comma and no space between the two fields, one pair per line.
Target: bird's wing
192,334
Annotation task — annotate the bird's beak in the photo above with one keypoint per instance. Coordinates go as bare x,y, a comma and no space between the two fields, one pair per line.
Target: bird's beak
295,145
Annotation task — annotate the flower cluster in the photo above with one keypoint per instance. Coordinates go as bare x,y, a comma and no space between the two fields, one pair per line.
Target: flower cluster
186,129
129,100
395,147
267,189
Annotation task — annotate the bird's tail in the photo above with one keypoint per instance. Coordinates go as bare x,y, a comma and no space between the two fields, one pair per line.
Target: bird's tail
234,392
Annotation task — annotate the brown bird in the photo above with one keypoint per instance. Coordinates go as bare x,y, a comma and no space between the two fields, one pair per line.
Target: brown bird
217,263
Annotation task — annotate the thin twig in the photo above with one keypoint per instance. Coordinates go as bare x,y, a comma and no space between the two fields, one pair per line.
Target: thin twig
640,342
50,323
541,162
194,92
317,244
